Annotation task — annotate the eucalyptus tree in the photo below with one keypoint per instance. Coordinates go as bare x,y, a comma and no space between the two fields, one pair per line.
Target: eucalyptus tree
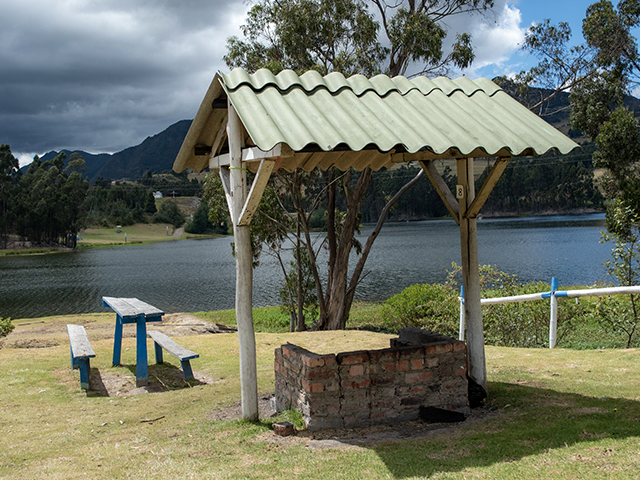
599,73
344,36
9,176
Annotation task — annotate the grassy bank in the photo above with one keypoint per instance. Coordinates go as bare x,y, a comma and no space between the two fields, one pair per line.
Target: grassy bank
96,237
550,414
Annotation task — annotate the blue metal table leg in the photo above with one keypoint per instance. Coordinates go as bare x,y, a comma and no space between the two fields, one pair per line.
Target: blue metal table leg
142,374
117,341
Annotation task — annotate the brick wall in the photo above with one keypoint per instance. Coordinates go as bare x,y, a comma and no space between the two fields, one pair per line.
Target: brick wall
373,386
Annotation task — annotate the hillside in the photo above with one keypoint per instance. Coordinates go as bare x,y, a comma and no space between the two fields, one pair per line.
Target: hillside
155,153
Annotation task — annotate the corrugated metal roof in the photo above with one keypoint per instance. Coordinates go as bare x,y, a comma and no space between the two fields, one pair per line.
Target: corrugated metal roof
326,120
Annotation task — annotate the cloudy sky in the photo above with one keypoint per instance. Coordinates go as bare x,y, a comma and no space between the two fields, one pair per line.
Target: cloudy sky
102,75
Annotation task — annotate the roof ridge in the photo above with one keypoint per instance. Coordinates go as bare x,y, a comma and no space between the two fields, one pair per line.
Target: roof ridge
335,82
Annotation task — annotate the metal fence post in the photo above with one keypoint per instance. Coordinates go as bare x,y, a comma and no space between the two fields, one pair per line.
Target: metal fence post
553,316
462,315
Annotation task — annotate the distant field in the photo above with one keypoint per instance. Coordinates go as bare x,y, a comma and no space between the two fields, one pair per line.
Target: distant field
138,233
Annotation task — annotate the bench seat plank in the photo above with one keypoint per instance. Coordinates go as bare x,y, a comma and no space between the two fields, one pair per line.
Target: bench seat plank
172,347
162,341
81,353
80,346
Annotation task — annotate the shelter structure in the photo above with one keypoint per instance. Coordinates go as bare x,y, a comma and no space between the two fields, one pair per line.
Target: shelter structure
259,122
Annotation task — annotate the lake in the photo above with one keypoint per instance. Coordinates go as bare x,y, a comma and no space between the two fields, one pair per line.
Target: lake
197,275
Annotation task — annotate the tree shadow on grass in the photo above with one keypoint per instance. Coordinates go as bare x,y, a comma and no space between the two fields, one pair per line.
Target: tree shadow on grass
121,381
531,421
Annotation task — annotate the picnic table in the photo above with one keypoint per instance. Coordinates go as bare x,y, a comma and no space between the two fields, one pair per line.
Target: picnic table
132,310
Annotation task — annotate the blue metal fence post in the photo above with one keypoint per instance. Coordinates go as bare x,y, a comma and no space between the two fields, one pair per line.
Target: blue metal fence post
553,316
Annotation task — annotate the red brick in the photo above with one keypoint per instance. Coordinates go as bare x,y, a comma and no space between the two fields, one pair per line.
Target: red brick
353,358
459,347
389,367
364,383
312,362
329,360
417,364
417,390
444,348
319,374
403,366
312,387
356,370
418,377
431,349
460,372
286,351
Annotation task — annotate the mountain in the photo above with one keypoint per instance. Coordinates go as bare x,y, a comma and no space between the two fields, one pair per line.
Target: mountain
155,153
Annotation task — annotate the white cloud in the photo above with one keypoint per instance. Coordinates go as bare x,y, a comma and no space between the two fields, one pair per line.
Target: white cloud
496,41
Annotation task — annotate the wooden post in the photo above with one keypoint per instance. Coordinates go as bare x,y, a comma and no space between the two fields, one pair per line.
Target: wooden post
244,271
471,275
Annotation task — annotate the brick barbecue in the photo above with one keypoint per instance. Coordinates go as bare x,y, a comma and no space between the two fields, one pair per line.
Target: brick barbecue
368,387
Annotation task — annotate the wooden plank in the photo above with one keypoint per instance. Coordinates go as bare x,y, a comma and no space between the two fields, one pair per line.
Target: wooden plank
489,183
253,154
79,341
257,189
220,138
442,188
171,346
130,308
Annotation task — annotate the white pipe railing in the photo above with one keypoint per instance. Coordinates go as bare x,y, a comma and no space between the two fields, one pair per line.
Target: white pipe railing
553,296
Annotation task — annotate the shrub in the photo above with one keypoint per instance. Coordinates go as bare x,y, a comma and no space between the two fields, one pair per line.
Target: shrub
5,326
433,307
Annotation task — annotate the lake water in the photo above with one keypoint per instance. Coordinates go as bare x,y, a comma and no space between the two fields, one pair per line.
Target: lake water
197,275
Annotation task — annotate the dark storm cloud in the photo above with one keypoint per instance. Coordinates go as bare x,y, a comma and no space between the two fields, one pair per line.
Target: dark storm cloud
103,75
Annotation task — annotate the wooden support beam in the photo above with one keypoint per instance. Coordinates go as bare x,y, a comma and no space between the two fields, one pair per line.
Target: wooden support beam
253,154
257,189
225,178
244,272
471,276
219,140
494,175
442,188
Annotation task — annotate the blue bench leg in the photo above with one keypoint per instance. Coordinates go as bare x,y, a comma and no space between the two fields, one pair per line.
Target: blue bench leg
186,368
159,358
74,362
85,370
117,341
142,373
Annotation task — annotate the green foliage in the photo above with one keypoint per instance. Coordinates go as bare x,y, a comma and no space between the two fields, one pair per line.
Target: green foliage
433,307
623,223
169,213
289,292
5,326
200,222
303,35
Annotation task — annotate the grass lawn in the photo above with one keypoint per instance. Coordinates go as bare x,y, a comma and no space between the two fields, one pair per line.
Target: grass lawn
551,414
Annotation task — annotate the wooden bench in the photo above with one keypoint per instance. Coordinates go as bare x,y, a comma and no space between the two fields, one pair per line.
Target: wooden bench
81,352
161,341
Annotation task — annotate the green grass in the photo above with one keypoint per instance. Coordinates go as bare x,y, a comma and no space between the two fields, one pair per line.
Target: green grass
552,414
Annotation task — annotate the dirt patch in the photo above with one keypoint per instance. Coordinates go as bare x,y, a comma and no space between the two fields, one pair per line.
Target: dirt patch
121,381
353,437
182,324
33,333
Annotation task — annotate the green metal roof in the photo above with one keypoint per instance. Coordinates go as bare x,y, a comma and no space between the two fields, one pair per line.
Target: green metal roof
359,122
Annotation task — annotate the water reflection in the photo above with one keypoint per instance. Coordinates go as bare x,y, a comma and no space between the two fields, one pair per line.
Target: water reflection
200,275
